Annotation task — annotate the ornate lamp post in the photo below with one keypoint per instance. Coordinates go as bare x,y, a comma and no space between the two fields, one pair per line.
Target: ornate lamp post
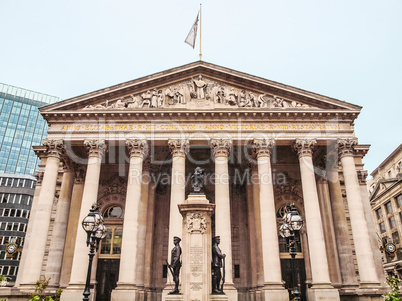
93,225
292,224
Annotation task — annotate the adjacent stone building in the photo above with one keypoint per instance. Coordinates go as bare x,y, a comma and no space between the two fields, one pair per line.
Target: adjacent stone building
132,148
386,202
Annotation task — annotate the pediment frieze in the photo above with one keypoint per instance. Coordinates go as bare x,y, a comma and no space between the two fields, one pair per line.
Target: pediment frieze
194,93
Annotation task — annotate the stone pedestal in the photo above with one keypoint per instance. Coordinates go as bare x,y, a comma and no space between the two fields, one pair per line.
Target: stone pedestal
196,248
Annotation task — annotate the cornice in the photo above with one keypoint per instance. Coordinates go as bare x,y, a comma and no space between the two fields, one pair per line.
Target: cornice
230,76
229,114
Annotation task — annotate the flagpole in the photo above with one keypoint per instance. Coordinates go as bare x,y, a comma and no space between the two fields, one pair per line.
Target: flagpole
200,33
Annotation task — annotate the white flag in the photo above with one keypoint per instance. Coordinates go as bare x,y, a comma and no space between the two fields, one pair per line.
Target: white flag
192,35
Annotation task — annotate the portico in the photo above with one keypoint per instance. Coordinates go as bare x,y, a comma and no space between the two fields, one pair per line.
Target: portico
131,148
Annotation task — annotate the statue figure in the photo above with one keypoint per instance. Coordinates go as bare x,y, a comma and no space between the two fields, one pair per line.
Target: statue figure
217,259
175,265
146,99
220,95
169,99
133,103
251,100
197,180
200,86
231,100
154,99
242,99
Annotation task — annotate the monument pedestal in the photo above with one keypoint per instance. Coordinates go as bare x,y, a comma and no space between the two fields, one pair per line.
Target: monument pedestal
196,248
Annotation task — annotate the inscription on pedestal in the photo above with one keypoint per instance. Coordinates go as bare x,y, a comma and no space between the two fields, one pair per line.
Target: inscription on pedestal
196,267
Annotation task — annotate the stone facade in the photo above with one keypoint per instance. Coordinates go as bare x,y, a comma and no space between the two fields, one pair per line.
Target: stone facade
385,189
132,148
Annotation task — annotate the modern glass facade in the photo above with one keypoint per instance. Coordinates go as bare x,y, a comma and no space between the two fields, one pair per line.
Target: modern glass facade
21,126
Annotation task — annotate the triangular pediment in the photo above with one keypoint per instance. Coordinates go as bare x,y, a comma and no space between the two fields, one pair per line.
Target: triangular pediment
200,86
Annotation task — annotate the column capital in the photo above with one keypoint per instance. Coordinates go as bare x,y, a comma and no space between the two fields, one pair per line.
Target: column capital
178,147
137,147
54,148
263,146
346,147
304,147
95,147
221,146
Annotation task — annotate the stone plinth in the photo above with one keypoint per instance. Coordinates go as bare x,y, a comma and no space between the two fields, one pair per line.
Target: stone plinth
196,248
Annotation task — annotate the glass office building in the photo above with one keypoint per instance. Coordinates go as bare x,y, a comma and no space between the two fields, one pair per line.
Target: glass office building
21,126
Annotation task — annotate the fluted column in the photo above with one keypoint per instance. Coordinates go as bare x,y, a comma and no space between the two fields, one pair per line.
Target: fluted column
149,245
321,284
269,232
40,226
96,149
73,224
58,240
361,237
179,149
138,148
28,235
221,148
142,231
344,246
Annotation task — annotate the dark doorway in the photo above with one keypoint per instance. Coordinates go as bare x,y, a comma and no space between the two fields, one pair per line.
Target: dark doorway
107,275
300,271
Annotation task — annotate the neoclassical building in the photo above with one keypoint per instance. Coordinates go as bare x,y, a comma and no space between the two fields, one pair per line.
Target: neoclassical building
132,148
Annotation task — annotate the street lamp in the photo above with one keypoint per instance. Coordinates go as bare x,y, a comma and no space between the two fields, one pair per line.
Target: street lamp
93,225
292,224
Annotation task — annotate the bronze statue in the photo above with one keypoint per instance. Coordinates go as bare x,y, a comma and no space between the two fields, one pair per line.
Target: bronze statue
175,265
197,180
217,259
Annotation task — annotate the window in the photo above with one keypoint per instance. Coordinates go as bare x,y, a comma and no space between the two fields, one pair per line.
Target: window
113,212
21,183
399,200
379,213
388,206
395,237
111,244
382,227
392,222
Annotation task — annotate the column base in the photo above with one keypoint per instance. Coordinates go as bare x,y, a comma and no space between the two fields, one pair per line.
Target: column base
124,293
322,292
74,293
275,292
230,291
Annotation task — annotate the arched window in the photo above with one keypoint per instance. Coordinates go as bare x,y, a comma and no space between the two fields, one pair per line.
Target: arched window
113,212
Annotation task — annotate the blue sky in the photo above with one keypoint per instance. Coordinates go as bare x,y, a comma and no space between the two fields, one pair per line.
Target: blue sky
349,50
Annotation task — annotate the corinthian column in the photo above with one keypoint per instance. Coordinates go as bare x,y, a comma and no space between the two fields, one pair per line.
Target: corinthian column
361,237
58,240
96,149
321,284
273,287
179,149
138,148
220,148
40,226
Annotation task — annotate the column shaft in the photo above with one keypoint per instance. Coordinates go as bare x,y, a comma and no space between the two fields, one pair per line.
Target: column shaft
89,196
130,247
40,226
222,202
341,228
318,257
270,243
57,242
178,148
73,227
364,253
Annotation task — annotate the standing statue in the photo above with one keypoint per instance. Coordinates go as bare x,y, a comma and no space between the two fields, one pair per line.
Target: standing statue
197,180
200,87
217,258
175,265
